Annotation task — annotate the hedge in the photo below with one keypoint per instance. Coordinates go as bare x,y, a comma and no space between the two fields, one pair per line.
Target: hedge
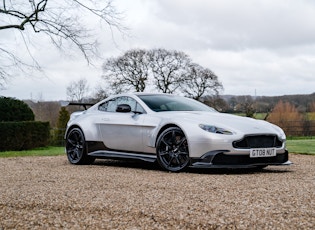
23,135
12,109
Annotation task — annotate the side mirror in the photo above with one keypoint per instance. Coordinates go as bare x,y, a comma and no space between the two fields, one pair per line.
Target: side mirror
123,108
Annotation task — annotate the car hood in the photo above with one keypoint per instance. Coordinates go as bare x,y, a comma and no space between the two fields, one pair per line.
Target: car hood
234,123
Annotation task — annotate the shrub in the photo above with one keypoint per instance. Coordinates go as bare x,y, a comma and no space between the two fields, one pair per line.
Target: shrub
59,133
288,118
14,110
23,135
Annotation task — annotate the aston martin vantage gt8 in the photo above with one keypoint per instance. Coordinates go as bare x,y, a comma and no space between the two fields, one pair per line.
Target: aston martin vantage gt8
174,131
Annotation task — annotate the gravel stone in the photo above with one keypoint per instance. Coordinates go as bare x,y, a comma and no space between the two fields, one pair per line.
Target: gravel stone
50,193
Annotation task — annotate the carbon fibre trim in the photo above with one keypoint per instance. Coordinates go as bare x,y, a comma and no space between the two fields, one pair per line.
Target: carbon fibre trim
218,159
123,155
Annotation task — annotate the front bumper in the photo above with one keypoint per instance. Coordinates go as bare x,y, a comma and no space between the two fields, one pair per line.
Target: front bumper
219,159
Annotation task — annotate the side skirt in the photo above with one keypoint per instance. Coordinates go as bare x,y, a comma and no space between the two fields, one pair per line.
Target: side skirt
122,155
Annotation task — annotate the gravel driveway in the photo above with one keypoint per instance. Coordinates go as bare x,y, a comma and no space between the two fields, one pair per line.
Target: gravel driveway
48,192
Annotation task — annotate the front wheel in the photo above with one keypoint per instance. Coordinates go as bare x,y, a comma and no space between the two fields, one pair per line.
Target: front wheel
76,148
172,150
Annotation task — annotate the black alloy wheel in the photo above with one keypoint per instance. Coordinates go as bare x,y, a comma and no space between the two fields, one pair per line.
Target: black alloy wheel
76,148
172,150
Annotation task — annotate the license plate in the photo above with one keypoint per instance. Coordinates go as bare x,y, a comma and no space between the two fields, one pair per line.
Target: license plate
263,152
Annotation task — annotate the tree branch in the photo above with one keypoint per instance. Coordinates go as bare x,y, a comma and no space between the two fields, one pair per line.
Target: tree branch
60,22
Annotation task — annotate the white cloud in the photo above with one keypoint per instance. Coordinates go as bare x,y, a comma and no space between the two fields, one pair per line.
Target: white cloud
242,23
267,46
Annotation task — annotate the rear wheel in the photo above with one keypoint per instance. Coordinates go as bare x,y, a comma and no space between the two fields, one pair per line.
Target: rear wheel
76,148
172,150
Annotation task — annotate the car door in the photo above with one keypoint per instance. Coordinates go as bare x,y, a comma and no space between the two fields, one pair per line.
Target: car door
121,131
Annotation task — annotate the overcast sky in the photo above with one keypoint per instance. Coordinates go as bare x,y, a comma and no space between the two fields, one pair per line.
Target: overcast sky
262,47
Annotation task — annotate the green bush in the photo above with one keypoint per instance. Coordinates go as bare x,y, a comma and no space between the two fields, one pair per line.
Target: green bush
14,110
58,135
23,135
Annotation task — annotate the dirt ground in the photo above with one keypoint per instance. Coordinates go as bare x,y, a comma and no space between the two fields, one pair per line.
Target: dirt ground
49,193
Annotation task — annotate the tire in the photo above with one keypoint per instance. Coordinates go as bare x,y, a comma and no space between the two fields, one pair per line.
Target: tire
76,148
172,150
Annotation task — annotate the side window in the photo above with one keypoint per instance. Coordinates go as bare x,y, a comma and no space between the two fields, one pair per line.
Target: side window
135,107
111,105
127,100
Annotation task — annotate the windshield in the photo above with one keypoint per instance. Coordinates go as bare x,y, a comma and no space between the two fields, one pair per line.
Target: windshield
160,103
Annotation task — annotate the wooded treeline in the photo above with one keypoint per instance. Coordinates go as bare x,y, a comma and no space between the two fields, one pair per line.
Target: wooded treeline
294,113
259,104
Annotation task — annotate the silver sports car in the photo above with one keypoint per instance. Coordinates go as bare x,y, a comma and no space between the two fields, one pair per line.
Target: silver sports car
175,131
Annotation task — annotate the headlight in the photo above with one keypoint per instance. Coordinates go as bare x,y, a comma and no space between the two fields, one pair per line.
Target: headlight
214,129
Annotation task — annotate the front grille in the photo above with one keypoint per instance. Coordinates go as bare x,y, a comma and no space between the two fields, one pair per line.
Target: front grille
261,141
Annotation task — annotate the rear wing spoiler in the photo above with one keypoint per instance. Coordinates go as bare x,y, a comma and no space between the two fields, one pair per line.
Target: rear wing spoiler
66,103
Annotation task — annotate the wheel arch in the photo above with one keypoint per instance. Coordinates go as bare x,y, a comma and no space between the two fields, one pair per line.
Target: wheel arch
162,129
90,132
166,126
72,127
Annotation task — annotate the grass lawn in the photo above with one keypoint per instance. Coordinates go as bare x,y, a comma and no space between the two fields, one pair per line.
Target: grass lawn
302,146
47,151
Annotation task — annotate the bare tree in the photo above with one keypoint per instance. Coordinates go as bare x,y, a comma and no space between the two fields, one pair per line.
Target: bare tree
169,69
77,90
200,82
9,62
246,105
127,72
99,94
61,21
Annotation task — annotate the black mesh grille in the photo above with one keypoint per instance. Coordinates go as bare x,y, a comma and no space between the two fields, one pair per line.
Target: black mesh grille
261,141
